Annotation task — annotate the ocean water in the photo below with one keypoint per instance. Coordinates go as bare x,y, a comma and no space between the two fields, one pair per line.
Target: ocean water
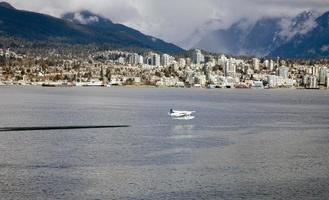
242,144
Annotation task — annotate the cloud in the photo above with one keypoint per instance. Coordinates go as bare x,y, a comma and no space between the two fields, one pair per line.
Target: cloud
324,48
82,20
290,27
175,20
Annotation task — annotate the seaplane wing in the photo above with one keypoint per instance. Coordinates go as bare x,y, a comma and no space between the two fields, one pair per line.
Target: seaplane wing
189,117
178,113
184,112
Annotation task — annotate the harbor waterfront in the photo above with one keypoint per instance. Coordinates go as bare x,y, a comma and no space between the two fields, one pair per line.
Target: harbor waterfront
242,144
195,69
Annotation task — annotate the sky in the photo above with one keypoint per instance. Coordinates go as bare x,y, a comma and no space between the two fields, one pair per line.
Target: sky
176,20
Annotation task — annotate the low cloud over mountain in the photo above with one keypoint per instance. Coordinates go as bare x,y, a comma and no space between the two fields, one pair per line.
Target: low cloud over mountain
176,20
305,35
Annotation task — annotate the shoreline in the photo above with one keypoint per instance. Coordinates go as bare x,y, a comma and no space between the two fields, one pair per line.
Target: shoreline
150,86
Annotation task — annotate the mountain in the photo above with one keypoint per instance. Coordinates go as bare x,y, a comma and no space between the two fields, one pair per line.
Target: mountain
75,28
200,32
313,44
244,38
258,38
223,41
121,32
263,37
6,5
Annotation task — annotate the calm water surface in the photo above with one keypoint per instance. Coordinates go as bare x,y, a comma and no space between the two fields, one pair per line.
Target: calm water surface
243,144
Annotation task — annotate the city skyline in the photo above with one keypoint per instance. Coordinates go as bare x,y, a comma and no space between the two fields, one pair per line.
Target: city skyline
119,68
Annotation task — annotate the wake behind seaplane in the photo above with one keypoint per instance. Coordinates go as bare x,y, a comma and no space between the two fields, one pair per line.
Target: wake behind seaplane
177,114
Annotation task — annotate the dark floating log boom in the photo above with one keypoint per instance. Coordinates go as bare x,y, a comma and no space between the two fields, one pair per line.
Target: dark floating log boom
46,128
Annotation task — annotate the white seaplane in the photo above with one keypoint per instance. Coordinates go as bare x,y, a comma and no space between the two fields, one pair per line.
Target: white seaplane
177,114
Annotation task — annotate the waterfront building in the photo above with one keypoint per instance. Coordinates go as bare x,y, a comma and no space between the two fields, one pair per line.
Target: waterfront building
266,64
188,61
210,60
167,82
312,82
153,59
121,60
148,60
271,65
283,72
229,68
103,75
272,81
1,73
134,59
290,83
165,60
305,80
197,57
141,60
245,68
227,82
314,71
308,70
257,84
327,80
323,75
156,61
255,64
250,72
222,60
182,62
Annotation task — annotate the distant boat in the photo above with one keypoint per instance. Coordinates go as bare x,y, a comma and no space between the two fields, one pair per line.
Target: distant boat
257,85
94,83
56,84
78,84
178,113
211,86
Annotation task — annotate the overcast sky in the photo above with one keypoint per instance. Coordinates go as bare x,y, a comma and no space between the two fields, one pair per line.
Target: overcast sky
175,20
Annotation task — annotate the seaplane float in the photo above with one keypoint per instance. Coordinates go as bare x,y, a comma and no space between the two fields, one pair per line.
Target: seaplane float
181,115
